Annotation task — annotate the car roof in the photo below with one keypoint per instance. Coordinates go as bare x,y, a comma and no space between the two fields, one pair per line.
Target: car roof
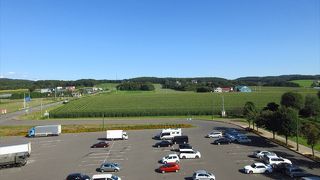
201,172
259,164
102,176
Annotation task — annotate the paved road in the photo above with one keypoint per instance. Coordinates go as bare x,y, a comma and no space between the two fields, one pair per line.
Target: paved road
53,158
13,116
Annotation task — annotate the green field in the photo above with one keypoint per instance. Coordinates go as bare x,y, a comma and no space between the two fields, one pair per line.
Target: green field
17,104
303,83
163,102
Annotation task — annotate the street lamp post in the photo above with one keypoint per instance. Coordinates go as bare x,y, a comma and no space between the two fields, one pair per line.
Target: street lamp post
212,104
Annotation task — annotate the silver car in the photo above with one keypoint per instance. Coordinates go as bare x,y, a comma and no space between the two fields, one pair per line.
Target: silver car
114,167
203,175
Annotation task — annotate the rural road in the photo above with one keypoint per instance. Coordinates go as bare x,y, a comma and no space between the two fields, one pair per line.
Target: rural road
8,118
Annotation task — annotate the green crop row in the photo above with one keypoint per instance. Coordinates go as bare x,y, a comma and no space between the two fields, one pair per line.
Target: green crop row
169,103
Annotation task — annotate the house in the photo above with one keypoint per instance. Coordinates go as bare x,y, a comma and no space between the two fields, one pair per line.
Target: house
71,88
227,89
242,89
194,81
218,90
46,90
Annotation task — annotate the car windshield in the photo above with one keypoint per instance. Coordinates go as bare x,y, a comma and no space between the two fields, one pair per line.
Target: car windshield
114,177
253,165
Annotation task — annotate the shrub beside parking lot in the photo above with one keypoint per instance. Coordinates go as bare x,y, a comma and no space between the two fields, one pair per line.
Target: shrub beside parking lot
78,128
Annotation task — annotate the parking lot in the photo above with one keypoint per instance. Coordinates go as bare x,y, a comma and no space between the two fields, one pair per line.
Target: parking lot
53,158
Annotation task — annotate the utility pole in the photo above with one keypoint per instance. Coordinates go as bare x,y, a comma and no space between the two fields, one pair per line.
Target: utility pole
297,131
212,105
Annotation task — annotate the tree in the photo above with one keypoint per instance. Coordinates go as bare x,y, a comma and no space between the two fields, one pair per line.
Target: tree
272,106
250,112
288,118
318,94
311,106
269,120
312,134
292,99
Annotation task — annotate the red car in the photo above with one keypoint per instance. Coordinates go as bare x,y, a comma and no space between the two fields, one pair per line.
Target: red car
101,144
169,167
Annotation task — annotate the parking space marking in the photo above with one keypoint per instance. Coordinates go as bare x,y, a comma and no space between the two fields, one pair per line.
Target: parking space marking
89,165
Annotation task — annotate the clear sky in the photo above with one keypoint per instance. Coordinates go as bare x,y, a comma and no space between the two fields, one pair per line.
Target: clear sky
117,39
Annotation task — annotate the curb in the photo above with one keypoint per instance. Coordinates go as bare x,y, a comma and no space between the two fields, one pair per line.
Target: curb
318,161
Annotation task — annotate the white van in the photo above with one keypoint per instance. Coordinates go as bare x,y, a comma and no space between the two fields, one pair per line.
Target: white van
170,133
105,177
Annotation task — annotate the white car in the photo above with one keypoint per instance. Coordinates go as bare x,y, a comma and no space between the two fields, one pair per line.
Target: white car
190,154
259,154
171,158
105,177
257,168
214,134
274,160
203,175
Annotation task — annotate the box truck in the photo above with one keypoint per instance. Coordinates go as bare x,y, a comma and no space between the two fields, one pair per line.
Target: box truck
48,130
14,155
116,134
15,149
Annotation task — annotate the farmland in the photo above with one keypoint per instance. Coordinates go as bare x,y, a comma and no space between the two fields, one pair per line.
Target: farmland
167,102
303,83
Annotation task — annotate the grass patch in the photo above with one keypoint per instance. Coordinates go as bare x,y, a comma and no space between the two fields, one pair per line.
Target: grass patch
75,128
303,141
303,83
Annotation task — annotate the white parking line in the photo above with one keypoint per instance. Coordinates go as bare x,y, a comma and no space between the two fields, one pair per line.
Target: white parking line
89,165
96,157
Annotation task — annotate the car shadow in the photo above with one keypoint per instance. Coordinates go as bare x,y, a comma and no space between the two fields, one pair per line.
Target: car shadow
188,178
98,170
102,139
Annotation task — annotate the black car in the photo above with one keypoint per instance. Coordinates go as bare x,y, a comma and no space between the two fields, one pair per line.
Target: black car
78,176
180,140
163,144
101,144
185,146
222,141
281,167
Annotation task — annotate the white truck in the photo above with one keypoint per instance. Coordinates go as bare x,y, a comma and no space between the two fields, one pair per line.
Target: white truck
170,133
48,130
116,134
14,155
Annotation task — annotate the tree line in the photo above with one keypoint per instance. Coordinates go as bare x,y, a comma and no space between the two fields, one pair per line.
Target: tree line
295,116
183,84
136,86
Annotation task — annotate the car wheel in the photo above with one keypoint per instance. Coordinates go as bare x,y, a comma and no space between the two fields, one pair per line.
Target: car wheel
162,172
158,146
101,170
218,143
165,162
250,172
116,170
268,172
183,157
197,157
177,170
177,161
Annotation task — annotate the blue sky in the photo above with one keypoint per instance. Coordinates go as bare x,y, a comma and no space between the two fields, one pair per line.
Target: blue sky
104,39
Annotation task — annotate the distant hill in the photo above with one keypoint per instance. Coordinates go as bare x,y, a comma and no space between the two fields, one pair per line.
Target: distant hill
169,82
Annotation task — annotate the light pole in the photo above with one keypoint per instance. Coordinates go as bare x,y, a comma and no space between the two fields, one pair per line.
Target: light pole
297,131
212,105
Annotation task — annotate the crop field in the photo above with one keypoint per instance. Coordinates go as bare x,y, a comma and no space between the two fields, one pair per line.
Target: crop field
161,103
303,83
